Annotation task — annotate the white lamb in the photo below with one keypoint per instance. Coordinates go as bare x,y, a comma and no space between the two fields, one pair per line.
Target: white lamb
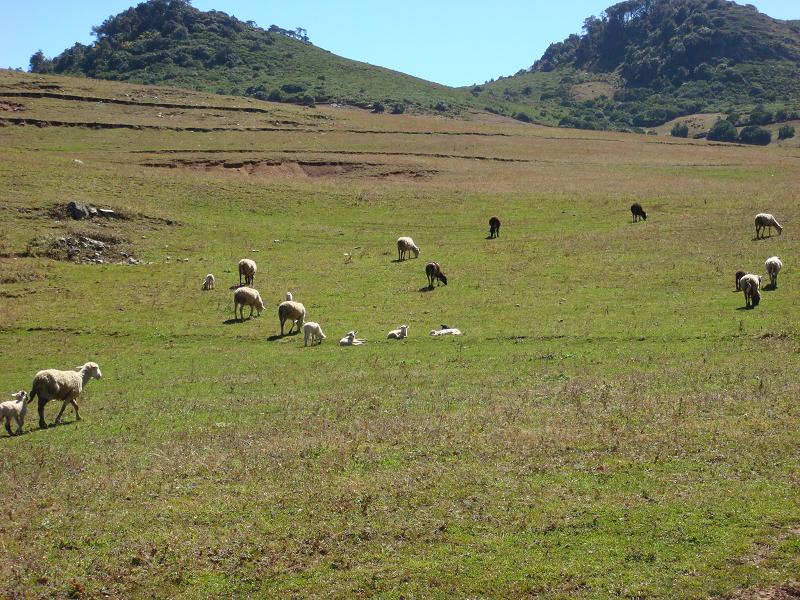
766,221
350,339
246,296
247,268
773,265
399,333
209,283
405,245
289,296
15,408
52,384
313,331
445,331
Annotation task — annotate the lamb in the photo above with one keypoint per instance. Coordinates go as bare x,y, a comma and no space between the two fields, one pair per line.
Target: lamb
289,296
445,331
399,333
52,384
638,212
405,245
15,408
291,311
247,296
773,265
209,283
494,228
314,331
766,221
247,268
350,339
750,285
434,273
739,274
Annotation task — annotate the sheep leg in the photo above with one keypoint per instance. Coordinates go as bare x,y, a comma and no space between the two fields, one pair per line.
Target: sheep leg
75,406
8,425
61,412
42,423
251,313
20,422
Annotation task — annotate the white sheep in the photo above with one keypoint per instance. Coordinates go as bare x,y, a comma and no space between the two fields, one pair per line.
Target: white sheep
445,331
15,408
350,339
289,296
773,265
312,331
766,221
294,311
750,285
209,283
247,268
246,296
52,384
399,333
405,245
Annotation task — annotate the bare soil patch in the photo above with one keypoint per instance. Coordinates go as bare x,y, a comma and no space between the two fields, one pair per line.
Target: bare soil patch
784,592
11,107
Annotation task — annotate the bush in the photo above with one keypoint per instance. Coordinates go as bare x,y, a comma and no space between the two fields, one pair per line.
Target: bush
680,130
752,134
761,116
521,116
378,107
786,132
293,88
722,131
398,109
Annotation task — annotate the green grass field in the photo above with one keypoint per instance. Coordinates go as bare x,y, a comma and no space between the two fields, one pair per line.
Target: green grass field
611,424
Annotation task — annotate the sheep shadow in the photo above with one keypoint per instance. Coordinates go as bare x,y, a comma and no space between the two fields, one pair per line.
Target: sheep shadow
236,321
770,287
746,308
762,238
237,286
426,289
279,336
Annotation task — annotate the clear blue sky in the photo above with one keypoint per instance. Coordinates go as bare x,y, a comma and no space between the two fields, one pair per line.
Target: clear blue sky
448,41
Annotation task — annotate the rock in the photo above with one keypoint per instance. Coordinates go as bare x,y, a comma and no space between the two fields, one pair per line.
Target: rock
106,212
92,211
77,210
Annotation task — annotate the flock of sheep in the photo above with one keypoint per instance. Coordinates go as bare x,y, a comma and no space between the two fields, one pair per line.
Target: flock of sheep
66,386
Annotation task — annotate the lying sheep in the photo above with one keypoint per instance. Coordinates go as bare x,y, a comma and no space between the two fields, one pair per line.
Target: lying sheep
52,384
773,265
445,331
638,212
313,331
766,221
208,283
739,274
247,268
494,228
434,273
247,296
750,285
15,408
291,311
399,333
405,245
350,339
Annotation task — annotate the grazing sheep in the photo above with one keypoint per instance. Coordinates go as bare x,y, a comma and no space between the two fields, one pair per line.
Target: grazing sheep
350,340
445,331
750,285
15,408
247,268
738,276
247,296
289,296
313,331
405,245
766,221
52,384
434,273
209,283
291,311
638,212
773,265
494,227
399,333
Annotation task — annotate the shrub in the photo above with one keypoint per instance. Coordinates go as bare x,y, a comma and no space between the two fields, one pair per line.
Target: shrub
521,116
786,132
441,107
722,131
293,88
761,116
752,134
378,107
680,130
398,109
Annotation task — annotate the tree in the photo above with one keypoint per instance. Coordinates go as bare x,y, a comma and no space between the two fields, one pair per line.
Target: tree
786,132
722,131
752,134
41,64
680,130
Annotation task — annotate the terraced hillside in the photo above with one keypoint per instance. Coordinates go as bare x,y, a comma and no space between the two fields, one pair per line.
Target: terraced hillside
612,423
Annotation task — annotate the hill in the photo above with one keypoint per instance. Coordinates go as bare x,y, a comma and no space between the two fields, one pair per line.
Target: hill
644,62
169,42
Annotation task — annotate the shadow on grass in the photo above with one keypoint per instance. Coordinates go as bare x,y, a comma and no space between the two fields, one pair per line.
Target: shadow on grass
426,289
278,336
746,308
235,321
769,288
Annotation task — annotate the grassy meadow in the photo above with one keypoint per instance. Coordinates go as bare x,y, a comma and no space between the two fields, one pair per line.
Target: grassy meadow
612,423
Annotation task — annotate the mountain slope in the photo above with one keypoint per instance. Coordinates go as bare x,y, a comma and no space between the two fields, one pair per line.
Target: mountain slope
170,42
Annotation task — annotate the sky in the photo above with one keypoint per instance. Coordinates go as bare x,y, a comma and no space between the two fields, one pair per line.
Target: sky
453,42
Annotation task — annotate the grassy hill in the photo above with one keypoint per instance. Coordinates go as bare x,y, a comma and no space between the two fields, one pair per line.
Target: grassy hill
612,423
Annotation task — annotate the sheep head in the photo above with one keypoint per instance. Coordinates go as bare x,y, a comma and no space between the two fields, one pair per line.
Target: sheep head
92,369
416,252
20,396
